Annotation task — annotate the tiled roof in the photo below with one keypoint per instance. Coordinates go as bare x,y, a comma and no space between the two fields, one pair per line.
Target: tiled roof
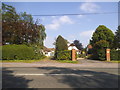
48,49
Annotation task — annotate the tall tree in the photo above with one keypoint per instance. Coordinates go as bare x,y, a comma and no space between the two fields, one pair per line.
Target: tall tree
102,33
78,44
117,38
102,38
20,28
60,45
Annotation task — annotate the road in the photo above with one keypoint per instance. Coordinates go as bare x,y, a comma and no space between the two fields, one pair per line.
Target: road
59,77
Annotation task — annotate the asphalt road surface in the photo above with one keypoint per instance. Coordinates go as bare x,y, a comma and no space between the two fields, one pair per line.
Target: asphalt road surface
59,77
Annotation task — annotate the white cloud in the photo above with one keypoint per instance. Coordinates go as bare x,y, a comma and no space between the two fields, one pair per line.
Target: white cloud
87,33
53,16
80,16
53,26
57,22
89,7
65,19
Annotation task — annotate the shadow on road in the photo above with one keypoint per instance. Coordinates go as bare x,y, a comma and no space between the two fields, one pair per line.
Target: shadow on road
11,81
84,78
80,79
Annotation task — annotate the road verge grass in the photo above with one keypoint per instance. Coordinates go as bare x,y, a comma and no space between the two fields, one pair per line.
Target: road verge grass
67,61
115,61
19,61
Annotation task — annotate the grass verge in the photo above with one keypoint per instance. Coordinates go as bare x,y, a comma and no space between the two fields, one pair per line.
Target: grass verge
19,61
67,61
115,61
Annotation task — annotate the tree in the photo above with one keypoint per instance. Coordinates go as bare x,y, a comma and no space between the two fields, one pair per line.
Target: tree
60,44
20,28
102,33
78,44
9,13
100,49
117,38
102,38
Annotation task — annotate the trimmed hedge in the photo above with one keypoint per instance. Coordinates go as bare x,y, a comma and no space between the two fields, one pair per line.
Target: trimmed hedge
19,52
115,54
64,55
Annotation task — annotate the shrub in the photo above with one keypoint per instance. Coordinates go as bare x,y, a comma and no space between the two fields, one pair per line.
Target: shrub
64,55
99,50
101,54
19,52
115,54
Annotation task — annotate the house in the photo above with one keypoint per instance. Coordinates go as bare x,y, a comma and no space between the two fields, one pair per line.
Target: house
72,46
48,51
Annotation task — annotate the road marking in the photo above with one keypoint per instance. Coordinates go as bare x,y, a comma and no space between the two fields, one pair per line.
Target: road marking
52,75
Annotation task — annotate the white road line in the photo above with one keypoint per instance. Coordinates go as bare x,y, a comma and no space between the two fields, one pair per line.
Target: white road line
52,75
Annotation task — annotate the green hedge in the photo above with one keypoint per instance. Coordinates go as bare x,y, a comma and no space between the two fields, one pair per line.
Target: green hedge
99,54
64,55
19,52
115,54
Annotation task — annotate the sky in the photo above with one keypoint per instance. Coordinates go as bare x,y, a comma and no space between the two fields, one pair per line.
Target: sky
80,27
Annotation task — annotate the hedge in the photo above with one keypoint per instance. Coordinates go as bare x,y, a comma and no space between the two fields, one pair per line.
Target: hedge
64,55
115,54
100,54
19,52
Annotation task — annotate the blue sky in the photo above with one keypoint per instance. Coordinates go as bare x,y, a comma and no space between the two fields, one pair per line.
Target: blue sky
78,27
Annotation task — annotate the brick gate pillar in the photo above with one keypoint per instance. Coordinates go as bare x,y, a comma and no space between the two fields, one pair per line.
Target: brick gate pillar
73,55
108,54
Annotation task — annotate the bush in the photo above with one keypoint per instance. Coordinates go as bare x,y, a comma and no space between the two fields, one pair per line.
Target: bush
19,52
64,55
101,54
99,50
98,54
115,54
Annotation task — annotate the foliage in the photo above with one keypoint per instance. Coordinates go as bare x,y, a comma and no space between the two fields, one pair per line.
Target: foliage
102,38
102,44
99,50
19,52
64,55
102,33
60,45
89,51
78,44
115,54
117,38
20,28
